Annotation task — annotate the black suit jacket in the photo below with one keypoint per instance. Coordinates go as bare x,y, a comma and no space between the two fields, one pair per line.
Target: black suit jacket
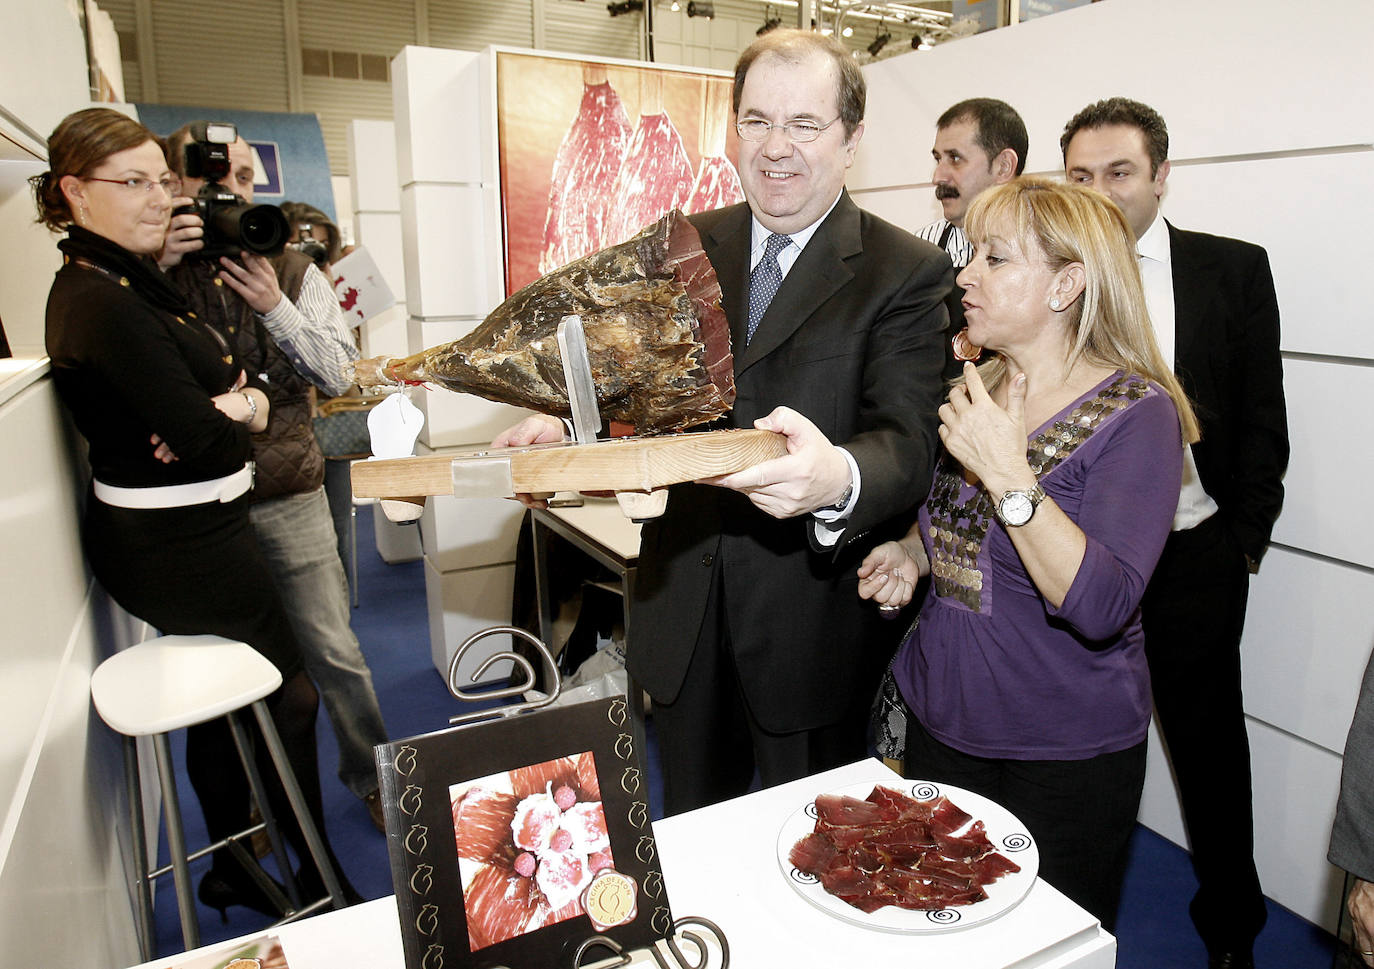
1226,320
854,340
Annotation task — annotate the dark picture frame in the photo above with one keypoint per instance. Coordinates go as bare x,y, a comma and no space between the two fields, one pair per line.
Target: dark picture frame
569,779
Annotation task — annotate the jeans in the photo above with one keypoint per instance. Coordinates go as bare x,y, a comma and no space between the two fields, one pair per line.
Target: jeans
296,535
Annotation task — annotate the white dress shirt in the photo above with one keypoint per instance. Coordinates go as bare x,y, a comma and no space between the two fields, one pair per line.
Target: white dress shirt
1157,273
829,522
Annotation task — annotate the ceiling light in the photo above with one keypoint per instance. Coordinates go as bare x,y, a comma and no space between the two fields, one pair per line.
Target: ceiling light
920,43
848,32
701,8
624,6
879,42
675,6
772,23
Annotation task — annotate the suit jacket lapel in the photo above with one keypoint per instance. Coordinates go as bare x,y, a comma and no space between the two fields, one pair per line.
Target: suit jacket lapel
1189,268
727,246
819,271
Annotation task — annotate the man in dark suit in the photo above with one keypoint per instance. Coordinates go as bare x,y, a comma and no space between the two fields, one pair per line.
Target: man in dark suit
1212,303
749,634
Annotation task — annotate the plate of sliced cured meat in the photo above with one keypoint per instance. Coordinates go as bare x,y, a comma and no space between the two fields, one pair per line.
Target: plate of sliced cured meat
913,857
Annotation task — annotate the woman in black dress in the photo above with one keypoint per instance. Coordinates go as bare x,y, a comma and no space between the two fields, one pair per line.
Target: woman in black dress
168,414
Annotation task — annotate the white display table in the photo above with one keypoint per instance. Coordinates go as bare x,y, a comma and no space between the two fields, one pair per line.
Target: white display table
720,864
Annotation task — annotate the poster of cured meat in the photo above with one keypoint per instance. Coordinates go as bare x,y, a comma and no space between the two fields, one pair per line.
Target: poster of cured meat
514,841
592,152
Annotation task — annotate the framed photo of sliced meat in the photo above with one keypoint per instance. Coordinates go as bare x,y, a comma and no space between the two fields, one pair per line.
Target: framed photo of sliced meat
590,152
514,841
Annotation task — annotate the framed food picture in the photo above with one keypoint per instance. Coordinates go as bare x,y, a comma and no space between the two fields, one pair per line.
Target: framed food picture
512,842
593,151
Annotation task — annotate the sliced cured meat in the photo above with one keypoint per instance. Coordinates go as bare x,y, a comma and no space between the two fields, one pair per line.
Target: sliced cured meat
481,822
657,339
994,865
889,849
656,175
535,821
813,853
544,778
839,810
584,172
561,876
586,823
717,186
499,905
972,844
717,183
948,816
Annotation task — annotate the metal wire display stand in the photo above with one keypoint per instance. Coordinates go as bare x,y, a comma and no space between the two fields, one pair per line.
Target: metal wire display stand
667,953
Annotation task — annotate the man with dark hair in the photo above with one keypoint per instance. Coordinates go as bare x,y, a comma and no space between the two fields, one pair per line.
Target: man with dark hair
749,634
1216,317
979,143
283,319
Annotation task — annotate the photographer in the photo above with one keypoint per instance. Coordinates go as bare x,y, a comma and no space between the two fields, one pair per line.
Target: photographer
282,318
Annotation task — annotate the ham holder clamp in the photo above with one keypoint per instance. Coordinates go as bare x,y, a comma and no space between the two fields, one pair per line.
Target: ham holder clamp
634,332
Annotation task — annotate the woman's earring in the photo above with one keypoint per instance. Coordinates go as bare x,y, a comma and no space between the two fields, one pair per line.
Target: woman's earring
1054,303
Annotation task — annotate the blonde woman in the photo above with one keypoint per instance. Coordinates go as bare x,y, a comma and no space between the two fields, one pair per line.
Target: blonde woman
1025,677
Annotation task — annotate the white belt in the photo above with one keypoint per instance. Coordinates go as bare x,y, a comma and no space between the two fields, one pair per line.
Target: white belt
175,496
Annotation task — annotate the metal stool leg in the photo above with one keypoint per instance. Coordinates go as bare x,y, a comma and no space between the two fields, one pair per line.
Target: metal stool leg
297,799
176,841
269,820
143,895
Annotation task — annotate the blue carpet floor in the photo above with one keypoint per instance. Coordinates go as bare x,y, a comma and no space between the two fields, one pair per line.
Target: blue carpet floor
392,625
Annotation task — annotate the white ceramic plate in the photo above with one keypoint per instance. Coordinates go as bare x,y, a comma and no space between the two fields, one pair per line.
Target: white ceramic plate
1008,835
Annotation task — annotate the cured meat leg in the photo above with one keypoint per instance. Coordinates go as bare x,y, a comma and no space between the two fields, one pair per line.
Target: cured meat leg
717,183
658,342
584,171
656,175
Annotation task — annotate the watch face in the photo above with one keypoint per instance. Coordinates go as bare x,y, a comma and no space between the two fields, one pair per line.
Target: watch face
1016,508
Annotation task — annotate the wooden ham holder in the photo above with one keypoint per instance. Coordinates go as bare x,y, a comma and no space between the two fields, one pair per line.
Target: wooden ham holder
637,469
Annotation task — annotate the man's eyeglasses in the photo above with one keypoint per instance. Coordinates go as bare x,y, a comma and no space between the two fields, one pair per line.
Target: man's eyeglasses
170,186
756,129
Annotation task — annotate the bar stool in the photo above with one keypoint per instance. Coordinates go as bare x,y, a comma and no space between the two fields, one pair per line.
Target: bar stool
172,682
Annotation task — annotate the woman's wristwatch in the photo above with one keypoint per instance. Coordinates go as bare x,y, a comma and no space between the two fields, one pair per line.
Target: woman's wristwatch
1017,506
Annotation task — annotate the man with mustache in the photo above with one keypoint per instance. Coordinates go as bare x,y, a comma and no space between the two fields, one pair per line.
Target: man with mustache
979,143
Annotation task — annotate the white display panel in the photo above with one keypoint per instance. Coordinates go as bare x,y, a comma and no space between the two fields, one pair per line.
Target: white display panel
1325,309
1305,649
466,533
462,603
1330,461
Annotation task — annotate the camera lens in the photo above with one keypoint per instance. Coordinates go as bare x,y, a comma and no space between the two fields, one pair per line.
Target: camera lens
262,228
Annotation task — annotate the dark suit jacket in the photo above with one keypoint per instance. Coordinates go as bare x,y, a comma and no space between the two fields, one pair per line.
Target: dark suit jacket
1226,355
855,341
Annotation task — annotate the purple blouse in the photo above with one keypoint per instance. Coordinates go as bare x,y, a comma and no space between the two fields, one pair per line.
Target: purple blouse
992,669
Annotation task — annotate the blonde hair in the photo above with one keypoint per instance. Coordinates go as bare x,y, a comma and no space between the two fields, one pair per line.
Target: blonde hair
1108,324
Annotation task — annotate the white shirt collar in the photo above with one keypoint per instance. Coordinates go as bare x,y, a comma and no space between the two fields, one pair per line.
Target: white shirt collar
759,235
1154,244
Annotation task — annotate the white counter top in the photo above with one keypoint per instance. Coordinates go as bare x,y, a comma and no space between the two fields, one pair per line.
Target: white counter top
16,373
720,864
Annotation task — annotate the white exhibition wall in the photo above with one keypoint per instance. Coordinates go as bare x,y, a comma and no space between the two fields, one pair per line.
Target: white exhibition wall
1267,146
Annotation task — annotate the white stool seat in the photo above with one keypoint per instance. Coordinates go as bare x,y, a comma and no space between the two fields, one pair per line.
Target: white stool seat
172,682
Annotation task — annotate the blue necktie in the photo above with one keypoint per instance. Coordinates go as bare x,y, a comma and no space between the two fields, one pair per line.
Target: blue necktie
765,280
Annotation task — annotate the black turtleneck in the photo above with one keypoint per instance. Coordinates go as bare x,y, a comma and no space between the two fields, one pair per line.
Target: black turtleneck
130,361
